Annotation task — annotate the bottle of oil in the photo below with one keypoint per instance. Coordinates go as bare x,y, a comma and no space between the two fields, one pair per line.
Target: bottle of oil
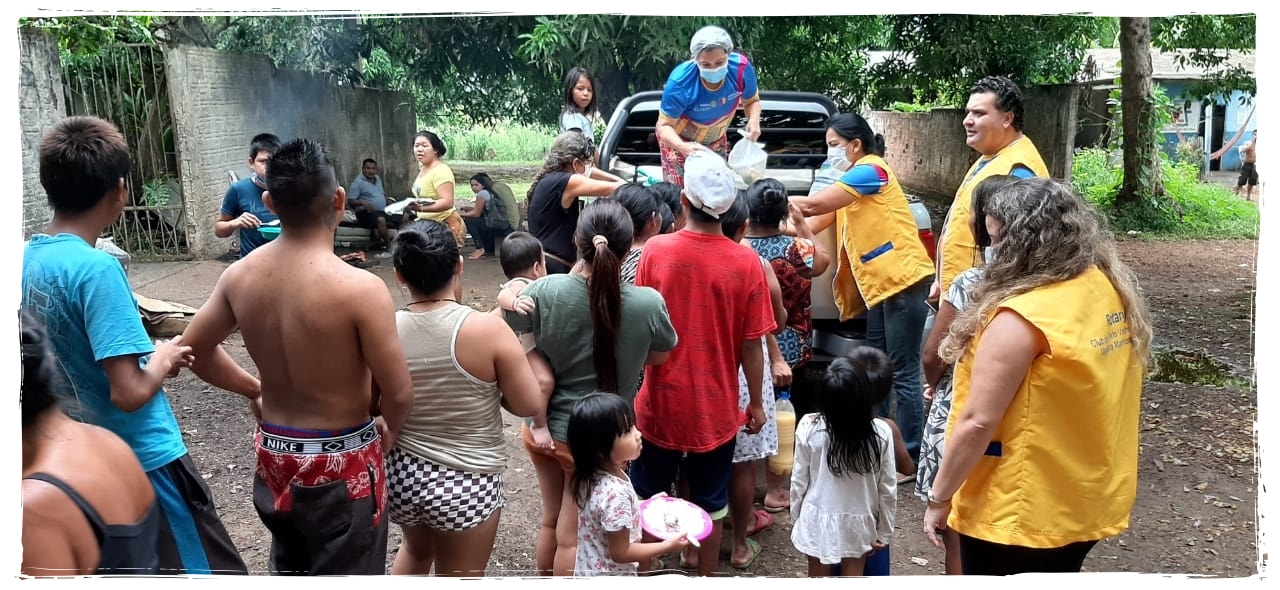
780,464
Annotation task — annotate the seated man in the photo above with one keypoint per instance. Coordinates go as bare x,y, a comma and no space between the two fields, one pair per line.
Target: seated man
368,200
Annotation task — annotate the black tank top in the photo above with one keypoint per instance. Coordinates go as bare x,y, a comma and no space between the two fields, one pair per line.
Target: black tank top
125,549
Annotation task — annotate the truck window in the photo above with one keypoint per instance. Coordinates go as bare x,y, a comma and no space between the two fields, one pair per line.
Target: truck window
796,138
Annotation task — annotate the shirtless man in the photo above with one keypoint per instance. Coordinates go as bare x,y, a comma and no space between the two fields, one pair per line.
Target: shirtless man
1249,169
319,486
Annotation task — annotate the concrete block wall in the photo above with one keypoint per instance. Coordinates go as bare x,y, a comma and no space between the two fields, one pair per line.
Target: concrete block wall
221,100
928,152
40,104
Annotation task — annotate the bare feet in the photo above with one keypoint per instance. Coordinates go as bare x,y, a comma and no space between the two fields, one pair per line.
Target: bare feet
478,254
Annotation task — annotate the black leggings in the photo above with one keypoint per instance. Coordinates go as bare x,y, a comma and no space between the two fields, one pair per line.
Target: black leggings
984,558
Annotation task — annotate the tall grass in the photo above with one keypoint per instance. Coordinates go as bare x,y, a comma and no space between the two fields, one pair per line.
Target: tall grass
1190,208
503,143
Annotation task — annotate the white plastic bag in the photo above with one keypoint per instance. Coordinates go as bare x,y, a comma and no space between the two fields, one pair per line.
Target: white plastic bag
748,159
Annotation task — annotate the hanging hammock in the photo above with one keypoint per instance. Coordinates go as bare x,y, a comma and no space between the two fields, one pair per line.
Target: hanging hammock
1239,133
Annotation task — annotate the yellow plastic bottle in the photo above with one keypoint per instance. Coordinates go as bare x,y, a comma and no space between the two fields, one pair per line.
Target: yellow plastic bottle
780,464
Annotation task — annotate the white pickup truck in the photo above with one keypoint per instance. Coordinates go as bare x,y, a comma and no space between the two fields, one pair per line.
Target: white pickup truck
793,130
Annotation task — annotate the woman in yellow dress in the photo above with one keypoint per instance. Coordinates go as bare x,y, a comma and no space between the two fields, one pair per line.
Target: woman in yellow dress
435,183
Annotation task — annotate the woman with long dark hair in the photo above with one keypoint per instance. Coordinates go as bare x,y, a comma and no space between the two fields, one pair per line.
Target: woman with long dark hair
554,198
628,327
488,220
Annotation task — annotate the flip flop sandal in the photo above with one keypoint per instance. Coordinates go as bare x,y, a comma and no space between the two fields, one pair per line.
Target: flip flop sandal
764,520
755,554
776,509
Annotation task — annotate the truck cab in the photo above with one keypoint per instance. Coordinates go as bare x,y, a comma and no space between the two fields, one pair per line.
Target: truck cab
793,131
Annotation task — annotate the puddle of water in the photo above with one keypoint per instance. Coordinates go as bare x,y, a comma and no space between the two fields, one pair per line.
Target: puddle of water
1193,368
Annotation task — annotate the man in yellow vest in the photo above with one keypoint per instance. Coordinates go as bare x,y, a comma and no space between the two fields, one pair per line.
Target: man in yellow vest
992,126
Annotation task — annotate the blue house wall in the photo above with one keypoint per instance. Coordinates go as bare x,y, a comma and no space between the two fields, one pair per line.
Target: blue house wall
1236,115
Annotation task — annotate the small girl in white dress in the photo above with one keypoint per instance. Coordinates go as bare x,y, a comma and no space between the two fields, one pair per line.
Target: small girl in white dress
844,481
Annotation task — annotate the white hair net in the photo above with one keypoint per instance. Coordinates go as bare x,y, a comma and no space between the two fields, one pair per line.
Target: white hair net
710,37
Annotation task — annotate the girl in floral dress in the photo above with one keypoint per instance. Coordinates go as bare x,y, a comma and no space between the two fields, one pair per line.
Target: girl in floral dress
602,428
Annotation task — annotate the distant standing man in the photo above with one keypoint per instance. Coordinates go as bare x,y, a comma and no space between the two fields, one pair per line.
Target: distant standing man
369,200
992,126
242,207
1249,169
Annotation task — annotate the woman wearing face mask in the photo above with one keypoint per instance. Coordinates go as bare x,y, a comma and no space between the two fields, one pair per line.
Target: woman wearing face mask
566,175
700,99
881,266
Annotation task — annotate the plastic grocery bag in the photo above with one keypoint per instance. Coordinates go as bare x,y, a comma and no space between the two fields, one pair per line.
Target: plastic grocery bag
748,159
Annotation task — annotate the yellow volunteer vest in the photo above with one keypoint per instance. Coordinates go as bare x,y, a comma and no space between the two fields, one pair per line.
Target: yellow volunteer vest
879,252
958,251
1063,463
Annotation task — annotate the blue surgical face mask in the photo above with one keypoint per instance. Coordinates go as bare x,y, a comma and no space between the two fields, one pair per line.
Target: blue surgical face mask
989,254
714,75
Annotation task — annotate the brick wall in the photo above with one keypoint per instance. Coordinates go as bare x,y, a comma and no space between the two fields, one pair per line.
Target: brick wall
40,104
928,153
221,100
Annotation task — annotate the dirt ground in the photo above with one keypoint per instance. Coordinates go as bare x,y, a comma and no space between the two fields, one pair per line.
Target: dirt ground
1196,505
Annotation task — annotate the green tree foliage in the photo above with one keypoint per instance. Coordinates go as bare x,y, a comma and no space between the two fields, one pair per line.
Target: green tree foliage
81,39
1209,41
938,56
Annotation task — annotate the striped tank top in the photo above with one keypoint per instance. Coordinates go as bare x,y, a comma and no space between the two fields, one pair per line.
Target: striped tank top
456,419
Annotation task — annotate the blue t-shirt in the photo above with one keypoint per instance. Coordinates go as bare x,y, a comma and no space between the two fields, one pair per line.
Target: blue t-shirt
1019,171
363,189
90,314
245,196
867,179
686,96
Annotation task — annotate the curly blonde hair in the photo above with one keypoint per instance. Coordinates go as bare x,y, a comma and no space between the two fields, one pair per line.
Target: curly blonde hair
1050,235
567,147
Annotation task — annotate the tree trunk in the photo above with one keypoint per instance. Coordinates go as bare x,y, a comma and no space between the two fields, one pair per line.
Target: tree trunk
1141,156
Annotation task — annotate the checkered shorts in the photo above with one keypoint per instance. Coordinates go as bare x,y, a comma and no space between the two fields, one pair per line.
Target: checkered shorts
420,492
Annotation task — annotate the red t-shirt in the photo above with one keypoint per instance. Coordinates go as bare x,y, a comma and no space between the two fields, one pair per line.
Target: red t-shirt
717,296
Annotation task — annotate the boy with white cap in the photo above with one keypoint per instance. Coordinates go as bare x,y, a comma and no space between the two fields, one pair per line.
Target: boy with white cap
687,409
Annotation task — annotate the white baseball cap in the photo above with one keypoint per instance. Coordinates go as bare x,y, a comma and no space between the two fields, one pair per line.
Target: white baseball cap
708,183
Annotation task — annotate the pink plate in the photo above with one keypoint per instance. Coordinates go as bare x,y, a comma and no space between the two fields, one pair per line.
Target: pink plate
654,512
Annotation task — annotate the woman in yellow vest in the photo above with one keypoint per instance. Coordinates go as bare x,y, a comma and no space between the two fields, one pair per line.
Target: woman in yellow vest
435,182
881,266
1042,442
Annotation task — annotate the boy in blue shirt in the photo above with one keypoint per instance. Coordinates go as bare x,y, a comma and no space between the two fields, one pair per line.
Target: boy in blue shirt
106,359
242,207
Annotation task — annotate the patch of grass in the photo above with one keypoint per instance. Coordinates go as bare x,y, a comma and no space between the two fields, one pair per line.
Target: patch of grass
497,143
1190,209
1193,368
